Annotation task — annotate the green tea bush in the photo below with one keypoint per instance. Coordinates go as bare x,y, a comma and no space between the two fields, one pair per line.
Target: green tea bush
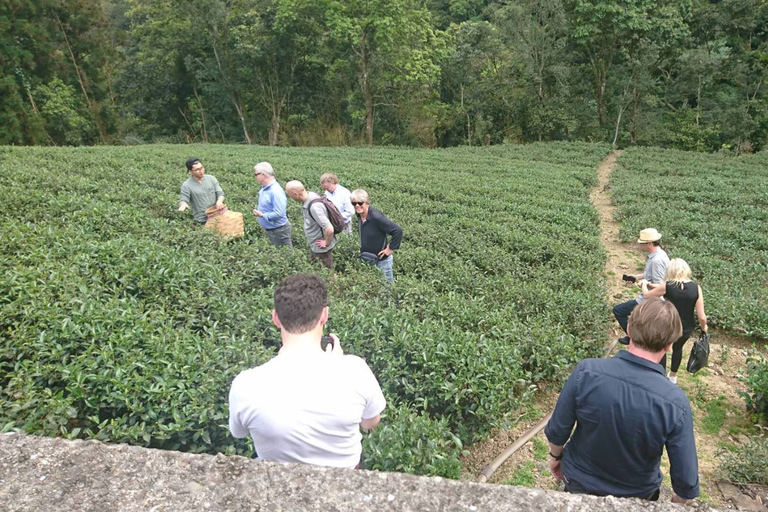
757,384
712,211
122,321
409,442
746,463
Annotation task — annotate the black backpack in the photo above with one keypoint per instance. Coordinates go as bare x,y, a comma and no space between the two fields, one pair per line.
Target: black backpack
334,215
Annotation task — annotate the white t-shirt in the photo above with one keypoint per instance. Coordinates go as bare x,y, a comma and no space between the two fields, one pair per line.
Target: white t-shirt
306,407
342,198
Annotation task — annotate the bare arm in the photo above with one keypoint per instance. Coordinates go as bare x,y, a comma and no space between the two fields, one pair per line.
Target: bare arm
370,423
700,311
328,232
656,291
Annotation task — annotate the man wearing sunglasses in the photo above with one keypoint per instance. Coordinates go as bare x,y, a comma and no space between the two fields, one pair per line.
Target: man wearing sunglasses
374,227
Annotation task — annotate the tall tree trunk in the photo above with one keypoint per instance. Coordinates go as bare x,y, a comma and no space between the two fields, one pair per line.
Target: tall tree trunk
202,114
81,80
633,115
274,129
367,90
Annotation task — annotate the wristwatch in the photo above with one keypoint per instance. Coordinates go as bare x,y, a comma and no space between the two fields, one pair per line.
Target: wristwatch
556,457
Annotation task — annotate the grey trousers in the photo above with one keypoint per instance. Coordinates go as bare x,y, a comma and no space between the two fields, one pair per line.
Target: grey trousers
280,236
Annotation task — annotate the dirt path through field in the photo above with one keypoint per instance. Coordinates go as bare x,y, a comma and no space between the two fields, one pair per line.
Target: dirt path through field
720,419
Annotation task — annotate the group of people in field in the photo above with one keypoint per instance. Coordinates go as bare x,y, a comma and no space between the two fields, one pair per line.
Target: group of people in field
379,236
308,404
626,409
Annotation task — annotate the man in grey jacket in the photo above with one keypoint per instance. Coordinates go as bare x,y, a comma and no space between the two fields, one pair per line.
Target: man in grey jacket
317,227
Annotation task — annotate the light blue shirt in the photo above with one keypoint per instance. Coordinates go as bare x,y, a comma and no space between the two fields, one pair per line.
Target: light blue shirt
342,198
272,203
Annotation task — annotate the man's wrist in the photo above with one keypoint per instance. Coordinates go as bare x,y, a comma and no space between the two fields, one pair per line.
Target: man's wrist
556,457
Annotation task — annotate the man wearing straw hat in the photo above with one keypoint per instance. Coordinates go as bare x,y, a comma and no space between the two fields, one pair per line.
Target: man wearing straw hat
200,191
655,268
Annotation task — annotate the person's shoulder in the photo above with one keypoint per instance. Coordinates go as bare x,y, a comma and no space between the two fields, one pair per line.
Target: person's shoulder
343,189
356,363
247,377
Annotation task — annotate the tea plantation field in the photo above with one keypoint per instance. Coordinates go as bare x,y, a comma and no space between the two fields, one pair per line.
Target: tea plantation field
712,211
121,321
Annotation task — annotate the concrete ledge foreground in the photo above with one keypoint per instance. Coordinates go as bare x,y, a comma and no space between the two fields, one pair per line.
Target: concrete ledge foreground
38,473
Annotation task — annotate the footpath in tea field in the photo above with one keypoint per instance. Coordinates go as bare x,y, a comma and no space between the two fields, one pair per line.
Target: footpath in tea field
721,422
123,322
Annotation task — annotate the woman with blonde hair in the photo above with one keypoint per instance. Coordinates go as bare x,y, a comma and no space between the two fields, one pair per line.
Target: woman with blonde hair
680,290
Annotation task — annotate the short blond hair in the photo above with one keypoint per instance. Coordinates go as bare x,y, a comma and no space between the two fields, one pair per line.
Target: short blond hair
329,178
360,195
654,324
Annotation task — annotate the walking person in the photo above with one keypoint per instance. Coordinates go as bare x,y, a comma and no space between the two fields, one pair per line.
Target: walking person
200,191
687,297
271,208
306,405
317,227
655,267
340,196
374,227
626,412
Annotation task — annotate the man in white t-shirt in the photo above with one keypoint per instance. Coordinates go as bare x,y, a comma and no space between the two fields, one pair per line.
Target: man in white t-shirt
306,405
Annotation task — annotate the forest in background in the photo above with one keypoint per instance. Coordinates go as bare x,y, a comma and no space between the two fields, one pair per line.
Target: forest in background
688,74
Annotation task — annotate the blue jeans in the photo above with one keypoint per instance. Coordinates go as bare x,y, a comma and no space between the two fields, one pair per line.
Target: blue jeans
385,266
622,312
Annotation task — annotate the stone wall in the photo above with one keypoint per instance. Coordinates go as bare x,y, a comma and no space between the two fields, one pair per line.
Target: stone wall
38,473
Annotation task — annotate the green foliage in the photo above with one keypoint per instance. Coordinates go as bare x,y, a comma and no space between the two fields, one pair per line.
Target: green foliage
712,211
746,463
757,384
409,442
60,108
122,321
523,476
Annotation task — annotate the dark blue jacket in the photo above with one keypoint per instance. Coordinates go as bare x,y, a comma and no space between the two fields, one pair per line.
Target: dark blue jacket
626,411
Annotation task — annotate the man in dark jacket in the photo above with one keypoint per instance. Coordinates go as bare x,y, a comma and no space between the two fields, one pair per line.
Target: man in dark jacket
374,227
626,412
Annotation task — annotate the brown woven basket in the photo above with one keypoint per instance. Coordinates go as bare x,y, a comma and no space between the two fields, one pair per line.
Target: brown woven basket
226,223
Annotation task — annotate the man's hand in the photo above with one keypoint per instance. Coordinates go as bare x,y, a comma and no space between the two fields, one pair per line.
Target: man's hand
183,206
321,243
220,204
257,213
385,252
554,468
336,347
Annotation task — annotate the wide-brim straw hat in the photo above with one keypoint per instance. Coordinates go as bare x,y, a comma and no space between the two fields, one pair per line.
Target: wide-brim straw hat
648,235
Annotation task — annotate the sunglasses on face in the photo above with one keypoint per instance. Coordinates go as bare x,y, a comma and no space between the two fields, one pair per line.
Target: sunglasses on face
355,203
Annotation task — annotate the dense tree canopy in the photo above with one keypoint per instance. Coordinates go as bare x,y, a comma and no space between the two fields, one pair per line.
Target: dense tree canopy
684,73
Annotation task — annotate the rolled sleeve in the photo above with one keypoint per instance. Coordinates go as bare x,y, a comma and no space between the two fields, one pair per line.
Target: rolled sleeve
560,425
317,211
217,187
683,462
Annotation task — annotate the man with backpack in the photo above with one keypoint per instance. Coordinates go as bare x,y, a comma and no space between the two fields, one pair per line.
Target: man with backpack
322,221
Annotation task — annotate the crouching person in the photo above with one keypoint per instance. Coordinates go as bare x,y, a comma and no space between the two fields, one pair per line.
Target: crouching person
306,405
626,411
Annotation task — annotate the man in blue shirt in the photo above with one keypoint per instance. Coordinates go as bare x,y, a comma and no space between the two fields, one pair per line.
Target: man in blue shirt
271,208
626,411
